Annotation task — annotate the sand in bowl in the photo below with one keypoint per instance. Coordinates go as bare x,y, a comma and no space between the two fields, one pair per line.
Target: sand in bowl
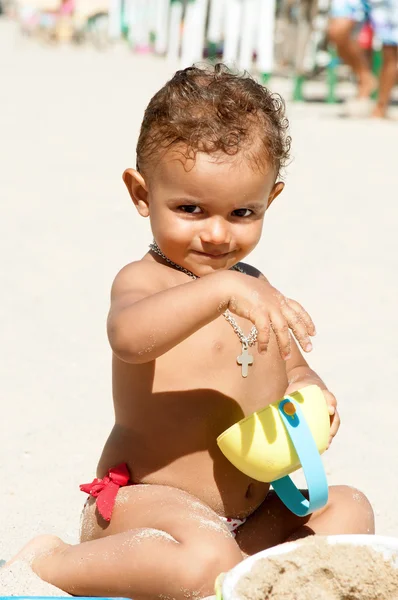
317,570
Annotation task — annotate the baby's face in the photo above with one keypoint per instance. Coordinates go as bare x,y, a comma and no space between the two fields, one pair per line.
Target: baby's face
208,214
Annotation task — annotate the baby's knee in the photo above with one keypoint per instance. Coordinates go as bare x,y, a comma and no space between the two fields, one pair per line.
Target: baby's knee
207,564
355,505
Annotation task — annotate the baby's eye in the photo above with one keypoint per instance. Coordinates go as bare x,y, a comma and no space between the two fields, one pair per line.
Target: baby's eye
242,212
191,209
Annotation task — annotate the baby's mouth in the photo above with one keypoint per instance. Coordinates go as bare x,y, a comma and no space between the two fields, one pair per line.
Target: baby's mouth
213,255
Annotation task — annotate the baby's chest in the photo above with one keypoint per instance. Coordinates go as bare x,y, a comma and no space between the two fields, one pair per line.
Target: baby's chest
218,359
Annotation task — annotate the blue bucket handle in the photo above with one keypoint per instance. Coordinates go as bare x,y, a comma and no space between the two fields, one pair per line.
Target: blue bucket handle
311,463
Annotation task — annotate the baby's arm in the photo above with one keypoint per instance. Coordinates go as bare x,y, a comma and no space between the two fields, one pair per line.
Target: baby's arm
300,374
148,317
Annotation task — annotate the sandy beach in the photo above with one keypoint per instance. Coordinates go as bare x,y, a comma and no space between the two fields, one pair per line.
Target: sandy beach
69,119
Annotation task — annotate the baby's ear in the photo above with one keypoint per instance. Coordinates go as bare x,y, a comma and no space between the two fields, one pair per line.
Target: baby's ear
276,190
137,188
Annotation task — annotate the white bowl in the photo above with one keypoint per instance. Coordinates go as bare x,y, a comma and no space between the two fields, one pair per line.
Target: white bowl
387,546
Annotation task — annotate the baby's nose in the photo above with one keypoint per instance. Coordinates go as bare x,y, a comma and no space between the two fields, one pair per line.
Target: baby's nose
216,231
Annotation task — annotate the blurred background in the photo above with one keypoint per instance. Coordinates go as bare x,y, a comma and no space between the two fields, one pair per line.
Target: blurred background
75,78
286,38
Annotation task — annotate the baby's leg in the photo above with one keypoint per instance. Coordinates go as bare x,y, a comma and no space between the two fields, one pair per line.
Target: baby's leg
160,542
347,511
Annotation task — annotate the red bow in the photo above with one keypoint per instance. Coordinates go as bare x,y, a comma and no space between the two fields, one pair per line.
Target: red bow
106,489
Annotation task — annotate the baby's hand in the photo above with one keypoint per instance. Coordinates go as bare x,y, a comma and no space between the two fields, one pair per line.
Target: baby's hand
256,299
334,414
331,404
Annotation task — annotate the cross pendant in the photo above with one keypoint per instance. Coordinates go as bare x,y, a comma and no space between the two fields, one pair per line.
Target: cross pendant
245,359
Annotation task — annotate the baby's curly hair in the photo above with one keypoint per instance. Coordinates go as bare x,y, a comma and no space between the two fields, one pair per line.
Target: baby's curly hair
213,110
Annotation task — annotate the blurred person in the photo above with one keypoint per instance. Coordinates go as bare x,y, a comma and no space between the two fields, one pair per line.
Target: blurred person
38,17
345,15
66,7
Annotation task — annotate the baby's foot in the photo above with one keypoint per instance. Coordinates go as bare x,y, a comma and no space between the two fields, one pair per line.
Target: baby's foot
37,551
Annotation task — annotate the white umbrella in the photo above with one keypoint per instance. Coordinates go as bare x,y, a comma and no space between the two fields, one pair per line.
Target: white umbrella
250,24
265,39
216,21
161,23
174,30
115,19
232,31
194,32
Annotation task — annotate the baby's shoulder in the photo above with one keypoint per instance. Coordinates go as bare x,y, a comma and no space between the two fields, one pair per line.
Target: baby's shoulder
140,275
140,268
250,270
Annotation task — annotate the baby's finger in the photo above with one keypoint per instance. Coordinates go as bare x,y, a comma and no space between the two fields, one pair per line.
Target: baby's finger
262,325
281,330
303,315
298,327
335,424
331,402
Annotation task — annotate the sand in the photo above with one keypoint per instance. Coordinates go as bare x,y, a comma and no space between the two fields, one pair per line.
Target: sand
20,579
317,569
68,125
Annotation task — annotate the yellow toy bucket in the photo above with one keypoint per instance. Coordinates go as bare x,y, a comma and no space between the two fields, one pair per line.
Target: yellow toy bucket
260,445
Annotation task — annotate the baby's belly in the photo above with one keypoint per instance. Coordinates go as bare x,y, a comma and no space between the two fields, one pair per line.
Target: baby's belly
205,474
219,484
168,421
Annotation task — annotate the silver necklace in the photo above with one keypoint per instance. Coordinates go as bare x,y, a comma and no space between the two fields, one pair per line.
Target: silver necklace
245,359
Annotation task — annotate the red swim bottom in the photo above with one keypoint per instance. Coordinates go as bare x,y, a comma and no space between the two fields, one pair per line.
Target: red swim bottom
106,489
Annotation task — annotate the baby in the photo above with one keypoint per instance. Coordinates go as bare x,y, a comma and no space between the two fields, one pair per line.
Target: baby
200,339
